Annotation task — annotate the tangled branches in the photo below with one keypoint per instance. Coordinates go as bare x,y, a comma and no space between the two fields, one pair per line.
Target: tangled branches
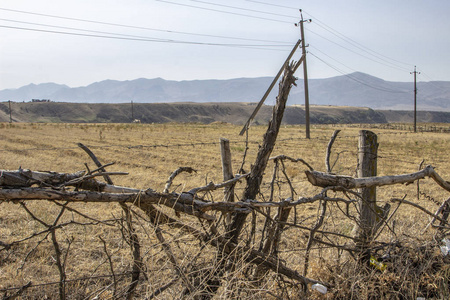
93,239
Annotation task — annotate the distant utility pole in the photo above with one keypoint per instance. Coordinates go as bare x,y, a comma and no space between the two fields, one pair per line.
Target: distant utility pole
415,97
305,73
132,111
10,115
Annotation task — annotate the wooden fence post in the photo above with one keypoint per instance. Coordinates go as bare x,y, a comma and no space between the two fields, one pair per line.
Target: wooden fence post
210,283
367,167
227,169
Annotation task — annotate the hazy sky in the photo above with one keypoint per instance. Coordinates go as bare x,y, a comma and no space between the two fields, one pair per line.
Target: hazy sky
84,41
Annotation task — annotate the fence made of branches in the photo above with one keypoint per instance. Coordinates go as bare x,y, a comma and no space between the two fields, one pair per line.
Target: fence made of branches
250,236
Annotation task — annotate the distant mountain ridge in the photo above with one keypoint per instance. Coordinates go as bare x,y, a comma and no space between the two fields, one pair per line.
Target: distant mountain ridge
356,89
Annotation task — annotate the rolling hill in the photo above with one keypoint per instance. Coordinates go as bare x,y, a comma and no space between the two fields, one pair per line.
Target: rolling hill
356,89
187,112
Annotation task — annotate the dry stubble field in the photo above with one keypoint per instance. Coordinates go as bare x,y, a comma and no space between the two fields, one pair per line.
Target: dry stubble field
150,153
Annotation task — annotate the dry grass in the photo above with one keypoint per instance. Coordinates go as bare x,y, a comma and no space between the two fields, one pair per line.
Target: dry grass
150,153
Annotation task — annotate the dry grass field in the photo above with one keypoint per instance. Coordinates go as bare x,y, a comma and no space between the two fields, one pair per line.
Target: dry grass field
92,239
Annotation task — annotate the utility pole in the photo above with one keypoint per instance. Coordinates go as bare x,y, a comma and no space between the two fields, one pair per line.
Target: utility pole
415,97
132,111
305,73
10,115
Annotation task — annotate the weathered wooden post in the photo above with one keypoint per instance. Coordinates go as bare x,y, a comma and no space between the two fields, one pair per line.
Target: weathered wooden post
211,282
367,167
227,169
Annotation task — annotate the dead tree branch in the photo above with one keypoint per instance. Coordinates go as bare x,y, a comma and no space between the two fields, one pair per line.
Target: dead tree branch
175,174
435,216
111,265
204,280
327,156
133,238
325,180
211,186
311,238
27,178
256,174
173,260
284,157
183,202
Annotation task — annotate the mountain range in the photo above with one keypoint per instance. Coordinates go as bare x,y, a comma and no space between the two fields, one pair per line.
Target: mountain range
356,89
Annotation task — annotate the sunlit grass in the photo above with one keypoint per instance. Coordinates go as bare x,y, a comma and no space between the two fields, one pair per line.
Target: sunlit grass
151,152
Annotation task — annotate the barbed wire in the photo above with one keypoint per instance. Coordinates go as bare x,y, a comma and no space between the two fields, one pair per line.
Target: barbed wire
319,138
174,237
66,281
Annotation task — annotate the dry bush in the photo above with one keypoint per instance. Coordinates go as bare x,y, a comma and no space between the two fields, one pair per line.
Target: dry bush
93,237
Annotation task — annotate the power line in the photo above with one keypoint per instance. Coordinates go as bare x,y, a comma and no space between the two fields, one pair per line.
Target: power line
317,49
144,39
348,40
80,34
355,79
215,36
271,4
355,43
350,50
245,9
362,48
426,75
223,11
137,27
429,78
431,81
110,35
78,29
335,68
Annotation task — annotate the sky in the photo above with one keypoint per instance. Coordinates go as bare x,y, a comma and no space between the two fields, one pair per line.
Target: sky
81,42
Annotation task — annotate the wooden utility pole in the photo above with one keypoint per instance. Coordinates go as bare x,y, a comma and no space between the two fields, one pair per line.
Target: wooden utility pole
415,98
10,115
305,74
